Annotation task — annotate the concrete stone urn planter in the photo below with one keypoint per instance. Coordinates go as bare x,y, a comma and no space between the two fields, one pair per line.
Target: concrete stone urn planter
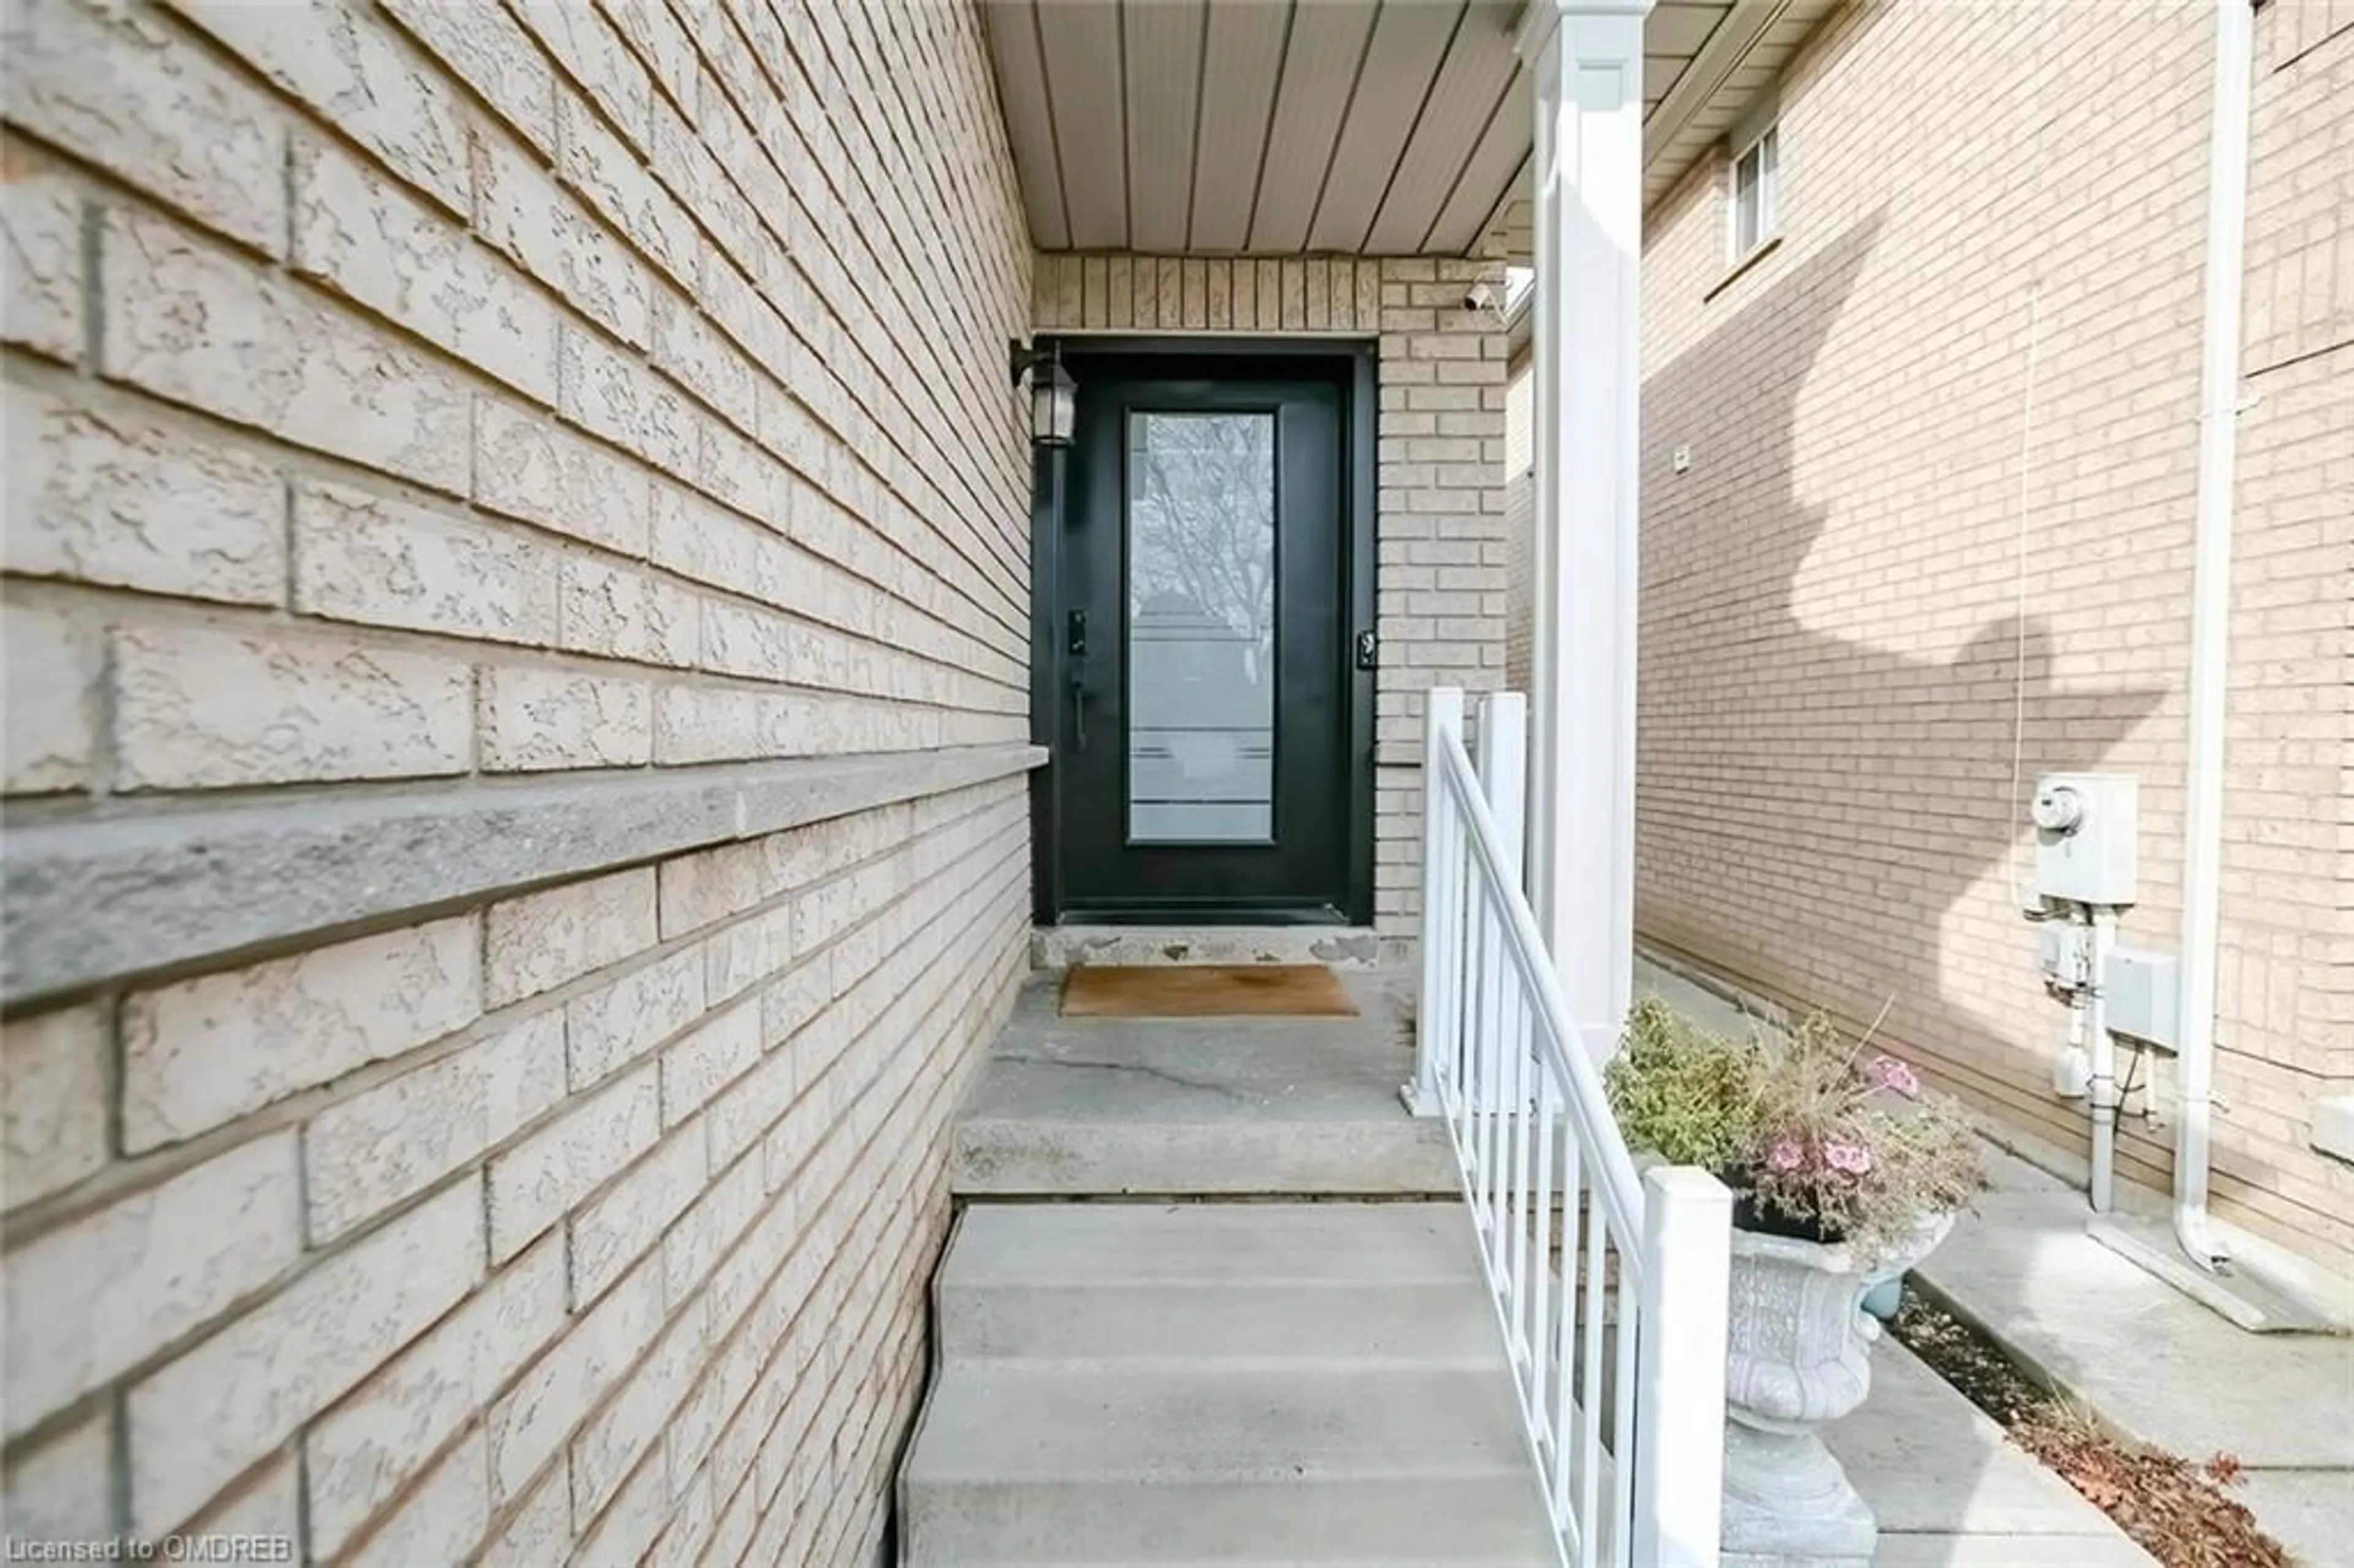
1798,1353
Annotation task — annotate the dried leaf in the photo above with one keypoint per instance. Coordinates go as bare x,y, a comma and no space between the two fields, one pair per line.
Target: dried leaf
2176,1511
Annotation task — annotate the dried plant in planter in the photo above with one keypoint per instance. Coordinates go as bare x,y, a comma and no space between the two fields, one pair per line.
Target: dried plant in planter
1850,1147
1844,1174
1686,1094
1819,1139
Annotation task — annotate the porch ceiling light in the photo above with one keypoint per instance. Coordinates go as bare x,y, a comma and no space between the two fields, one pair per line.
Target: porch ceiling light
1054,396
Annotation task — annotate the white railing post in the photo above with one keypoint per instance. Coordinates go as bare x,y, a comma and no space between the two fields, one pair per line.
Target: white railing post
1442,726
1503,762
1503,767
1679,1455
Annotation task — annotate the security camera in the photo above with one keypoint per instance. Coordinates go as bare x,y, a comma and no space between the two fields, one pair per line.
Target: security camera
1483,296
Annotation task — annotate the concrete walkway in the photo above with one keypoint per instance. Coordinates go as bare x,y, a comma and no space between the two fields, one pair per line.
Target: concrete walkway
1951,1491
2154,1364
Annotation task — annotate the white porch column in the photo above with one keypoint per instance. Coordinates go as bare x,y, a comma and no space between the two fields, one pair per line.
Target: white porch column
1587,57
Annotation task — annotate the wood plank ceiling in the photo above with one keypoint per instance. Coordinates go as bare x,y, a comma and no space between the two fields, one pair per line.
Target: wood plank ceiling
1275,127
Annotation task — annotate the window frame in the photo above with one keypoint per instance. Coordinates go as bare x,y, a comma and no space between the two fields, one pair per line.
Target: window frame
1766,146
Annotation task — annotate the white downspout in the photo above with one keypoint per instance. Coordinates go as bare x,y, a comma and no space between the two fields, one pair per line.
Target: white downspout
2219,393
2101,1095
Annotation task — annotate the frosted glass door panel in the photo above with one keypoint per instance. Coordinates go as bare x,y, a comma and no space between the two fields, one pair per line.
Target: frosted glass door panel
1201,628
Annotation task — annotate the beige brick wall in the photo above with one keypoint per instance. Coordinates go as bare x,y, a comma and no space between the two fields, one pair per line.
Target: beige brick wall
1952,416
1440,518
1520,525
399,396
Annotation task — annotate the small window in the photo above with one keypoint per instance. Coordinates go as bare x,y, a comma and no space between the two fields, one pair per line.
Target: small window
1756,208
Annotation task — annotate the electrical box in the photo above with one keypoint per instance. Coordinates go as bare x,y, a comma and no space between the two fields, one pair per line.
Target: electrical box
2064,954
2141,997
2085,827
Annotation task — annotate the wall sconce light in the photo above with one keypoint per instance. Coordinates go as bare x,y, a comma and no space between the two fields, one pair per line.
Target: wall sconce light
1054,396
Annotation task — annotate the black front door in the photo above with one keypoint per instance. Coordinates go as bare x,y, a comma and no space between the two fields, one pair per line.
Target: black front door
1209,733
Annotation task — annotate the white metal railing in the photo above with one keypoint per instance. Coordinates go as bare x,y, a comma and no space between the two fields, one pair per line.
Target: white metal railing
1610,1289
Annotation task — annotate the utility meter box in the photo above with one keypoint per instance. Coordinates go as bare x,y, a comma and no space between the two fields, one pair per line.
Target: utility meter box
2141,997
2084,828
2064,954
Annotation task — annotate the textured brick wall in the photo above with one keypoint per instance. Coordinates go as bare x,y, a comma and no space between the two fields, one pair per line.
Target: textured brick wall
1950,420
401,395
1439,521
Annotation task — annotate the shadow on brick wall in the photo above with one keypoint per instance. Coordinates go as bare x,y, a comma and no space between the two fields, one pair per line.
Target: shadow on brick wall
1811,806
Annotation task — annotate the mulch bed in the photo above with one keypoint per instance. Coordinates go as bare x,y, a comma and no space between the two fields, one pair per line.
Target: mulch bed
2174,1509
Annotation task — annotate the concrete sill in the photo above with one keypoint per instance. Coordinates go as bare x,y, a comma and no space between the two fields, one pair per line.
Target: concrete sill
93,899
1757,253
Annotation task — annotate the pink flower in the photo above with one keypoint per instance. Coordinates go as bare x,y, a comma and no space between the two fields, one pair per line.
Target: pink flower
1888,1072
1785,1156
1852,1158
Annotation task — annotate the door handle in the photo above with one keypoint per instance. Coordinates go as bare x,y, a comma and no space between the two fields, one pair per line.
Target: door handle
1076,644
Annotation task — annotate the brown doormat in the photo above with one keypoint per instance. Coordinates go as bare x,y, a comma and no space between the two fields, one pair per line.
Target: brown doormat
1204,990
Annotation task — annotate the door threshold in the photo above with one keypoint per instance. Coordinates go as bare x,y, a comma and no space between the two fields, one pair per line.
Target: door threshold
1336,947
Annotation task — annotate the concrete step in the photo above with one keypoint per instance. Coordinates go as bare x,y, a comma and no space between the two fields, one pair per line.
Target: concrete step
1041,1462
1083,1156
1229,1383
1201,1107
1340,947
1391,1282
